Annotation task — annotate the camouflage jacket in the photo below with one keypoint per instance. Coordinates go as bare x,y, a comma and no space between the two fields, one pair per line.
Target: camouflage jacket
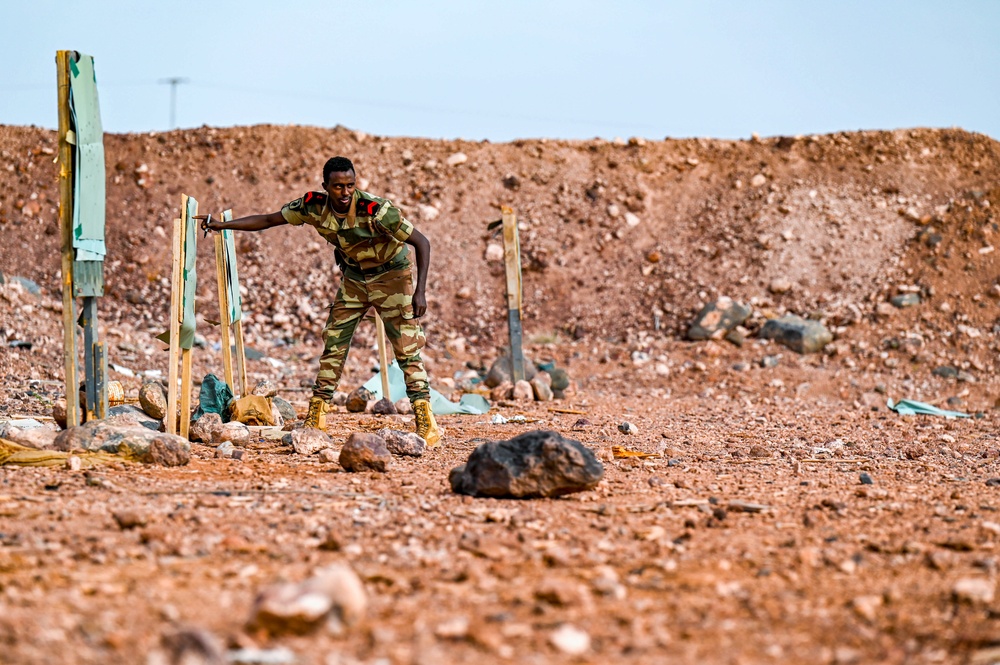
373,232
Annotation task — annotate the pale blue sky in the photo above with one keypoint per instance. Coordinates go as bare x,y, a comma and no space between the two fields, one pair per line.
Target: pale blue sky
504,70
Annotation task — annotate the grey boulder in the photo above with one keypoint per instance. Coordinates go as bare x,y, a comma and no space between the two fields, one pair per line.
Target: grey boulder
798,334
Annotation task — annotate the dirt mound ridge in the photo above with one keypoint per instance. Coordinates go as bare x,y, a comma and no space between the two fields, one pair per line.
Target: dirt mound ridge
620,239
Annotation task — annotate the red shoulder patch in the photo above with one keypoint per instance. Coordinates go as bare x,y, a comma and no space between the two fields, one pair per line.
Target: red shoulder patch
314,197
367,208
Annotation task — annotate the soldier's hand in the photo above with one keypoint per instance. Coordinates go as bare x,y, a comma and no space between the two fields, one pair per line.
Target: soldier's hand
419,304
208,224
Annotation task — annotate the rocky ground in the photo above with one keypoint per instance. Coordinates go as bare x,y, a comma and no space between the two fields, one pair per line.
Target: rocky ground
787,515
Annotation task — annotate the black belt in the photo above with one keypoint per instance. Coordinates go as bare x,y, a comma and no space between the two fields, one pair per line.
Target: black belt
395,264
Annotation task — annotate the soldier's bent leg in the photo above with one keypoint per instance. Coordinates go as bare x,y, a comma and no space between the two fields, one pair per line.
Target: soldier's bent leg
337,334
407,339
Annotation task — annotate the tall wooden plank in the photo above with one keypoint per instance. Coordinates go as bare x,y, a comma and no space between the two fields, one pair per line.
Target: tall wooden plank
224,323
185,416
89,324
66,226
512,268
383,356
176,292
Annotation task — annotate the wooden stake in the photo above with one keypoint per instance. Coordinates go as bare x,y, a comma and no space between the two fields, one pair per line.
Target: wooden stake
186,354
241,360
66,225
185,392
176,293
383,356
512,266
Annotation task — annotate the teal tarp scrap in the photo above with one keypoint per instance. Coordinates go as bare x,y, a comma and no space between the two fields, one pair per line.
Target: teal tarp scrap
232,278
214,397
470,404
88,168
189,276
909,407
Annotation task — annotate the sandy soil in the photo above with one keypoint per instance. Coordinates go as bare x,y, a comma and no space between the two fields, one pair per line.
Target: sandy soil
662,561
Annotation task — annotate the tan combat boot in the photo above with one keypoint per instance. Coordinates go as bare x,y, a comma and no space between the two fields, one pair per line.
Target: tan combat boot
427,427
317,413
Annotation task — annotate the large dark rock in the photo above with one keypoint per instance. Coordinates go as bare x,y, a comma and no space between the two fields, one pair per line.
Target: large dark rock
365,452
798,334
500,371
286,410
535,464
358,400
717,318
135,442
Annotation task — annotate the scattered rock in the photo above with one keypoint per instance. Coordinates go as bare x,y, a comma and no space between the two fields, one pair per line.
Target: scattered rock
975,590
384,407
59,412
286,410
456,159
42,438
570,640
779,286
945,372
770,362
225,450
500,371
365,452
905,300
335,597
560,379
798,334
403,443
206,429
632,220
235,432
129,518
136,443
327,456
523,392
153,399
501,392
129,415
718,318
627,428
403,406
534,464
866,479
540,387
309,440
264,388
357,400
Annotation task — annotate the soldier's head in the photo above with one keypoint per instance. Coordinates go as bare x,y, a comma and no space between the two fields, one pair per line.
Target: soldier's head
338,181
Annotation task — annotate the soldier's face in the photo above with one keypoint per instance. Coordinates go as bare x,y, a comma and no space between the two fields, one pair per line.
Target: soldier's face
340,187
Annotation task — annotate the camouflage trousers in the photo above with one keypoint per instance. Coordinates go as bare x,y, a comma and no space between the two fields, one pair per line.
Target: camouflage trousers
391,294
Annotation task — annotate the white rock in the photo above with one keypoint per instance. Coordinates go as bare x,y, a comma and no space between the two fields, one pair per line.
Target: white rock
758,180
570,640
974,590
780,285
428,212
631,219
613,210
494,252
456,159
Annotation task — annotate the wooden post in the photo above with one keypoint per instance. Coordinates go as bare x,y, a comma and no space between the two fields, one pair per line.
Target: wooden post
176,294
66,225
89,324
383,356
186,354
512,267
224,322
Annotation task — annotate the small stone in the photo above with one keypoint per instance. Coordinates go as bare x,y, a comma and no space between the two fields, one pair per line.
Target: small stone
975,590
264,388
627,428
129,519
779,286
235,432
206,429
905,300
335,596
456,159
867,607
945,372
286,410
327,456
309,440
758,451
523,392
717,318
866,479
570,640
365,452
502,391
456,628
798,334
541,388
531,465
632,220
494,253
758,180
357,400
384,407
770,362
403,443
73,463
153,399
225,450
59,412
403,406
993,482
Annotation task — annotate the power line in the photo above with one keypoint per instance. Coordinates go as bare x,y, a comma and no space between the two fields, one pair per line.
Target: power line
174,81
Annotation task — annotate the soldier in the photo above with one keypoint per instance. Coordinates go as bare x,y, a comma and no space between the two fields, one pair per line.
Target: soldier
370,239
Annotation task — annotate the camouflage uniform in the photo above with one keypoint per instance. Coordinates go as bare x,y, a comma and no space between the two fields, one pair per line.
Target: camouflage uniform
370,248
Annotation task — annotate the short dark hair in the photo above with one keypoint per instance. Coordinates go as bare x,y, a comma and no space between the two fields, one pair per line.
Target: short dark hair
337,165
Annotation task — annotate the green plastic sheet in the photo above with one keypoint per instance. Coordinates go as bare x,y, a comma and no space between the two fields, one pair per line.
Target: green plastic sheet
214,397
469,404
89,176
189,275
232,278
909,407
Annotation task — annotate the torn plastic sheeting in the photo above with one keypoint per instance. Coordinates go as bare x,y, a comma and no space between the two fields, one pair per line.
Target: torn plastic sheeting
89,181
232,277
909,407
189,276
469,404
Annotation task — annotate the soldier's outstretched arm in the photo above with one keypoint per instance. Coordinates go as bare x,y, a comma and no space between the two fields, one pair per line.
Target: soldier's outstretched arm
248,223
422,248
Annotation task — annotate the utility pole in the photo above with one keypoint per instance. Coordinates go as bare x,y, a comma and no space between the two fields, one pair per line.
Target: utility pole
174,82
